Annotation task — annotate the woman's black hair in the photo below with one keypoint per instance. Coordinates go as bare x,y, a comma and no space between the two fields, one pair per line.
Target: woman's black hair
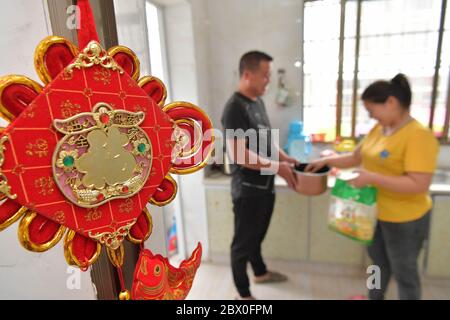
381,90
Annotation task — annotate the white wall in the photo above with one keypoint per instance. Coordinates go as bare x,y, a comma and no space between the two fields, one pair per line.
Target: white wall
234,27
23,274
183,64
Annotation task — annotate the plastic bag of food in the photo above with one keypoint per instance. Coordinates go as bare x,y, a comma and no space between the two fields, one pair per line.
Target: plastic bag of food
353,211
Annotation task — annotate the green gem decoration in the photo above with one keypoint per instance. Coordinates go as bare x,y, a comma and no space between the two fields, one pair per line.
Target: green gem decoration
68,161
141,147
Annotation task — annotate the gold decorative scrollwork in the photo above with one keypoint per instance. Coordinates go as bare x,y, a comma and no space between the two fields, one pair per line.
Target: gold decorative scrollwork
5,188
182,139
92,55
116,256
113,239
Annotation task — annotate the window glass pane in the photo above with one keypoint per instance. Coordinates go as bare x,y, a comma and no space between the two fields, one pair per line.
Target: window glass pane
321,62
348,67
154,40
130,23
405,40
396,36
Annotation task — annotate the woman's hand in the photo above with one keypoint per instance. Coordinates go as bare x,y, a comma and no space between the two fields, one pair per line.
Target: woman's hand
364,178
316,165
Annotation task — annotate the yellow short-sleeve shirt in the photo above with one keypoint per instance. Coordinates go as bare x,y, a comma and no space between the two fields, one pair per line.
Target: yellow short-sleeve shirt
412,148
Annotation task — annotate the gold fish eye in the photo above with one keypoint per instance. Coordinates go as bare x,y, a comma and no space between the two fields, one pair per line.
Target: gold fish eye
157,270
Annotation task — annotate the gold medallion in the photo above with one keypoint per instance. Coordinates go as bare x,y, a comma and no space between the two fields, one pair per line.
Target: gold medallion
104,155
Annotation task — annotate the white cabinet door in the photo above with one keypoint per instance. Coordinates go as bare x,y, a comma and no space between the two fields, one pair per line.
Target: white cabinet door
287,237
329,246
219,208
438,253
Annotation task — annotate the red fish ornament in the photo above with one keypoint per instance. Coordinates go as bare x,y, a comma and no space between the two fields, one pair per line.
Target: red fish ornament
156,279
86,152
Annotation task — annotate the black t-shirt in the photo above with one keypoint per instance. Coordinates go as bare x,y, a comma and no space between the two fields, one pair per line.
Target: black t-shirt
249,117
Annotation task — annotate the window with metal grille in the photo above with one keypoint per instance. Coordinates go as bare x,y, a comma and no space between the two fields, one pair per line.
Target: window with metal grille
349,44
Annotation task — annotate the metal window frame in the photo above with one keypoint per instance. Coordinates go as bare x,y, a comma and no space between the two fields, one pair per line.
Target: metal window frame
437,68
447,114
356,68
340,82
445,138
339,97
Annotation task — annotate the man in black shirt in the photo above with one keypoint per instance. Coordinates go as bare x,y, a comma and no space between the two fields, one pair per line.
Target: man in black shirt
256,159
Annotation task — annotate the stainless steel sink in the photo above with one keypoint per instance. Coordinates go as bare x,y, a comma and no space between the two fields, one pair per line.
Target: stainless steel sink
441,177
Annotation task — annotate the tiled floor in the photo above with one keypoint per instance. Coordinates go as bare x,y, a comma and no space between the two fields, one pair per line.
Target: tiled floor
309,281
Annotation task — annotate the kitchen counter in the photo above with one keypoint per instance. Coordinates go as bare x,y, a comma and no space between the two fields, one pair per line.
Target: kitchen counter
439,186
441,183
299,227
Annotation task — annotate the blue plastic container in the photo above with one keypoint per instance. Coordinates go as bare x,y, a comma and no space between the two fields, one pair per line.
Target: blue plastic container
298,146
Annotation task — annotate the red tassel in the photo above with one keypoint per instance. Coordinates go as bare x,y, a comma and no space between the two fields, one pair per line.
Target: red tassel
121,280
87,31
124,293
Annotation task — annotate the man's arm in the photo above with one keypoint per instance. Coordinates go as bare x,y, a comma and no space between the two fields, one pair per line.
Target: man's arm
283,156
242,156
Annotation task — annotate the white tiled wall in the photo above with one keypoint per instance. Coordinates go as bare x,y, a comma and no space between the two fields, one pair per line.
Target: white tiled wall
184,78
230,28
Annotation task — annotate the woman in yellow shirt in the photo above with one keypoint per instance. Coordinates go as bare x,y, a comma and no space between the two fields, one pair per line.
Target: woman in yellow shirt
398,157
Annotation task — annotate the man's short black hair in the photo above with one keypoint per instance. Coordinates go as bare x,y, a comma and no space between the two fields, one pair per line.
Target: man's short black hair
251,60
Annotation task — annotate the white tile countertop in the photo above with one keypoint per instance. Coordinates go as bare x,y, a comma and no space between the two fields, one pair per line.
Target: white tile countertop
440,185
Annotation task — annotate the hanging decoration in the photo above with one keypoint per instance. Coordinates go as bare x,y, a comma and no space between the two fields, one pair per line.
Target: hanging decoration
87,151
